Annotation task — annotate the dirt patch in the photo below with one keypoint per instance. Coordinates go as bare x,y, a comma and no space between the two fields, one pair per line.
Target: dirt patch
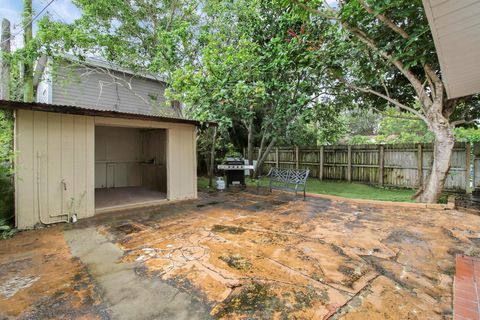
476,241
126,229
210,203
41,280
262,301
228,229
236,261
403,236
353,275
253,299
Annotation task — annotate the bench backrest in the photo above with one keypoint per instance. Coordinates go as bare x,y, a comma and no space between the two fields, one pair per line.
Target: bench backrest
288,176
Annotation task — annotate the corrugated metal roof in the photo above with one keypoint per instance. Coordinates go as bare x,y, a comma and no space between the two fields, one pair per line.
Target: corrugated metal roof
455,26
36,106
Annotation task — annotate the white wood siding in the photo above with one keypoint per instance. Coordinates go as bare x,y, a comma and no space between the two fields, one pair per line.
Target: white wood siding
54,167
456,31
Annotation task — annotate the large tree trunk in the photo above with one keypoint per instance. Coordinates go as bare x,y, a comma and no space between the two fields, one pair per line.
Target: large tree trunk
442,152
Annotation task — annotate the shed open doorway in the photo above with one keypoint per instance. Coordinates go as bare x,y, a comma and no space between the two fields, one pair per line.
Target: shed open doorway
130,167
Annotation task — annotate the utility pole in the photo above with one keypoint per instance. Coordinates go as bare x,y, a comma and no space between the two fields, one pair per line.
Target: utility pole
212,158
4,62
28,63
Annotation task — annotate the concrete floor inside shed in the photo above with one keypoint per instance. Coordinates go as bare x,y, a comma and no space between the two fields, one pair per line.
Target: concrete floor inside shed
109,199
241,255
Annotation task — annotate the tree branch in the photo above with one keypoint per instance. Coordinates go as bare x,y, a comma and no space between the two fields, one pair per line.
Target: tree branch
363,37
395,117
437,86
314,11
393,101
389,23
462,121
385,86
430,74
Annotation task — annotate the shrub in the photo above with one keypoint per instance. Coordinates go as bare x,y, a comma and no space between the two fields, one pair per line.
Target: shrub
6,173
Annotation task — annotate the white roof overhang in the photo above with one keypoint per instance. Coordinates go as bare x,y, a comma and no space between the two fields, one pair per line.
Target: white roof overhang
455,26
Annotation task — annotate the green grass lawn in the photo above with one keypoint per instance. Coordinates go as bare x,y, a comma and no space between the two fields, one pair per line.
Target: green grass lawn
352,190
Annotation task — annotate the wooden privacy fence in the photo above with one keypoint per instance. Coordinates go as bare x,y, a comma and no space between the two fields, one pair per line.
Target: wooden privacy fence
400,165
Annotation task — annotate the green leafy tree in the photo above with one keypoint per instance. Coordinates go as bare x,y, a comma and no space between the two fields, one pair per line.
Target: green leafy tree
252,66
6,157
401,127
382,54
470,135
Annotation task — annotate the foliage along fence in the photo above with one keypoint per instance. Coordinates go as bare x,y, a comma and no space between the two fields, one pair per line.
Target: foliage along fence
399,165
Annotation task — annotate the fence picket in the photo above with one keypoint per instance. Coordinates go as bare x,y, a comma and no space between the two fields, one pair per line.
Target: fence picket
401,165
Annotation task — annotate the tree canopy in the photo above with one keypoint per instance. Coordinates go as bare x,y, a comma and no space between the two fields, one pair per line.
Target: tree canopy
253,66
280,71
381,54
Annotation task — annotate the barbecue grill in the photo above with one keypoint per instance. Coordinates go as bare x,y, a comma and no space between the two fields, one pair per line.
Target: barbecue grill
235,171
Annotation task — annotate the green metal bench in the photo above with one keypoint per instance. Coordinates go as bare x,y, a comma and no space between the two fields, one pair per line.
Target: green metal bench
287,179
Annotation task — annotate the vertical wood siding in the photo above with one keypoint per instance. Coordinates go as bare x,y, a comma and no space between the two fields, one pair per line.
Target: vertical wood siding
56,150
121,148
181,154
400,164
181,164
54,167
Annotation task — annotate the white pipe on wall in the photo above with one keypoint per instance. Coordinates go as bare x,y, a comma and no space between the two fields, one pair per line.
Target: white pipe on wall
39,156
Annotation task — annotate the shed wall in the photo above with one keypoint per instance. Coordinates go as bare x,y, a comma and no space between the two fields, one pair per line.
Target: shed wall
181,154
119,149
55,163
182,163
130,157
54,167
154,175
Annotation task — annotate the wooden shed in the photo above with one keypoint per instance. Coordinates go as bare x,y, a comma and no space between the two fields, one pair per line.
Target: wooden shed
74,162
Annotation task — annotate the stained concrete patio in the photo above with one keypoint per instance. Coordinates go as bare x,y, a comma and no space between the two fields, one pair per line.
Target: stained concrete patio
241,255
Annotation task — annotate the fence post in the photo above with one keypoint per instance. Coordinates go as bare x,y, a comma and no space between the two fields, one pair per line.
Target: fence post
349,163
467,166
381,164
320,169
296,157
476,168
420,164
276,157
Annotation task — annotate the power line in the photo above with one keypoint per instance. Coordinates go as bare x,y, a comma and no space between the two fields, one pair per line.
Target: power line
31,21
52,9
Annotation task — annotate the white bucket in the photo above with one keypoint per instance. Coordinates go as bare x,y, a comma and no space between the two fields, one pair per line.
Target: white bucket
220,183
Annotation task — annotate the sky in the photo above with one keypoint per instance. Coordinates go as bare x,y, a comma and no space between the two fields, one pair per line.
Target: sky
63,10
